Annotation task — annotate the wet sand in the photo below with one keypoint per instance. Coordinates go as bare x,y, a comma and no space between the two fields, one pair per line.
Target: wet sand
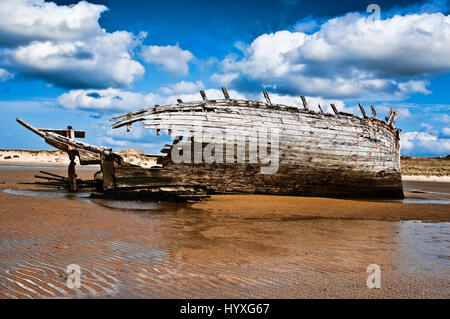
229,246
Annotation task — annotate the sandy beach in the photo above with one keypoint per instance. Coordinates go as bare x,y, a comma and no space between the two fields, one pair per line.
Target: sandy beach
228,246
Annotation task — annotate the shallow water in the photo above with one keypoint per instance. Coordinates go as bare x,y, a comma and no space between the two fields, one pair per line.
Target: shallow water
139,249
144,249
141,205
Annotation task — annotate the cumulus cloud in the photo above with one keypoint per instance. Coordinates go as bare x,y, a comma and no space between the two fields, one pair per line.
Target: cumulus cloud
348,57
5,75
182,88
170,58
24,21
106,100
424,142
65,45
111,100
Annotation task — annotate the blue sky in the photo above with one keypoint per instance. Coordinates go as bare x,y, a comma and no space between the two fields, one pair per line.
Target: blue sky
79,63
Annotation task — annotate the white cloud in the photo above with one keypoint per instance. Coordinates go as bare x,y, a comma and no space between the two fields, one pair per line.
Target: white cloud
65,45
110,100
224,79
5,75
24,21
444,118
348,57
182,88
312,101
446,131
170,58
423,142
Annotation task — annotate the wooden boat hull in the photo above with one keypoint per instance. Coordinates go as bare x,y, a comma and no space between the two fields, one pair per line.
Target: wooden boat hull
319,154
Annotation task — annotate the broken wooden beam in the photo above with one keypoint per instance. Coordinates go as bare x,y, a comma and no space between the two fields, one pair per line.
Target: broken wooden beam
362,110
305,104
225,93
390,118
320,108
64,143
54,175
394,118
335,110
50,178
76,133
31,128
203,94
374,112
266,96
391,113
179,101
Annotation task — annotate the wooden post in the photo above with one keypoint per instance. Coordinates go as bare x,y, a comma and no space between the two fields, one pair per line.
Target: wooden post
391,113
266,96
71,171
320,108
392,118
362,110
203,94
334,109
179,101
108,172
305,105
374,112
225,93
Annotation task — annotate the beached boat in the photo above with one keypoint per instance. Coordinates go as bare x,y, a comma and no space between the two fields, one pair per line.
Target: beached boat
242,146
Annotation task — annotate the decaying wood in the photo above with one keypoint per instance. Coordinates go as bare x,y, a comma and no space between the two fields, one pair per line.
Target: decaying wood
64,143
225,93
77,133
394,119
362,110
374,112
320,154
63,182
203,94
320,108
391,117
335,110
266,96
54,175
305,104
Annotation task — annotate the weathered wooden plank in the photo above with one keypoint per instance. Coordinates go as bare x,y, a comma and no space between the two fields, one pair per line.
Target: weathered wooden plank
335,110
320,108
362,110
374,112
203,94
266,96
305,104
225,93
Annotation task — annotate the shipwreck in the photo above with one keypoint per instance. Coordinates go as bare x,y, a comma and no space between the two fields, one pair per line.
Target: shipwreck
311,153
